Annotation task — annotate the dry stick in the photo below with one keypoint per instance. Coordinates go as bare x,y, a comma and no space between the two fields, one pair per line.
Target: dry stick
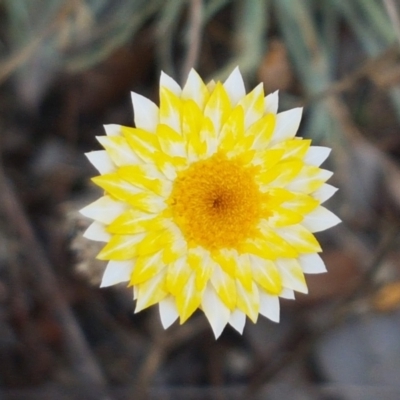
76,349
194,37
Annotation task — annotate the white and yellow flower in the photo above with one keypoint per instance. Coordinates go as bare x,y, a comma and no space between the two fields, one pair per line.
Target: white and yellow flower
210,202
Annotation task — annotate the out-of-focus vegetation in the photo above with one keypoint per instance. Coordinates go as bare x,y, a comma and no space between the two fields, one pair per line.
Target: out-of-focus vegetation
66,68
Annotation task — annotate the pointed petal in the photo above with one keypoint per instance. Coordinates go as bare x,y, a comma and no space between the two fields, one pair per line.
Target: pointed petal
195,89
119,150
168,311
121,247
248,301
101,161
300,238
97,232
234,87
117,272
215,310
218,107
320,219
104,210
238,320
112,129
225,287
287,294
188,300
266,274
253,105
167,82
316,155
287,124
146,267
271,103
269,306
309,179
151,292
146,113
324,193
177,276
312,263
170,110
292,274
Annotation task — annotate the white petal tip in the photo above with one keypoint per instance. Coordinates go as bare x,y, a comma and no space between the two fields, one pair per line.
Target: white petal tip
112,129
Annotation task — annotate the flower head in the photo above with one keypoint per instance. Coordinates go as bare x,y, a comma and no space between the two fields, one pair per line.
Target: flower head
210,202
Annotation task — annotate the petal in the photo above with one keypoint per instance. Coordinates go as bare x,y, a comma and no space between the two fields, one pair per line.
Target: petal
234,86
215,310
117,272
316,155
168,311
167,82
287,124
312,263
104,210
119,150
301,239
271,103
97,232
266,274
309,179
151,292
253,105
170,110
121,247
324,193
146,267
188,300
320,219
101,161
287,294
248,301
177,276
195,89
292,274
112,129
225,287
218,107
237,320
146,113
171,142
269,306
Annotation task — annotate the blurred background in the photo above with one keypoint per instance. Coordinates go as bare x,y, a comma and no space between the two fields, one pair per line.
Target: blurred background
66,68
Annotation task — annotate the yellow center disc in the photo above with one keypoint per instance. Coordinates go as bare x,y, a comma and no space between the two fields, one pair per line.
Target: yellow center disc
216,203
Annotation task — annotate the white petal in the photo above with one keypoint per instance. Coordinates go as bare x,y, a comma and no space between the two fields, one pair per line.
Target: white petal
216,312
145,294
101,161
289,279
145,113
168,311
316,155
97,232
112,129
104,210
324,193
312,263
269,306
135,292
287,294
287,124
303,180
117,272
234,87
194,89
320,219
271,102
169,83
238,320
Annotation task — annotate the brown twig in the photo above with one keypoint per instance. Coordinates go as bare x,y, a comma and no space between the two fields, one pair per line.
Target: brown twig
194,37
77,351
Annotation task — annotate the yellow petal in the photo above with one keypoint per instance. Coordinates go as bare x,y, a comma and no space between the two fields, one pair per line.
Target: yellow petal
134,221
121,247
119,150
151,292
218,107
142,143
177,276
188,300
170,109
281,174
266,274
232,130
146,267
171,142
248,301
116,186
261,132
292,274
225,287
253,105
302,240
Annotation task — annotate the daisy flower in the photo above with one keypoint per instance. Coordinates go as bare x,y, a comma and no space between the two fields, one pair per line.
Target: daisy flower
210,203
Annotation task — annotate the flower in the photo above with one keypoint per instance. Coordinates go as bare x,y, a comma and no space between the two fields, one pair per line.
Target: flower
210,202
